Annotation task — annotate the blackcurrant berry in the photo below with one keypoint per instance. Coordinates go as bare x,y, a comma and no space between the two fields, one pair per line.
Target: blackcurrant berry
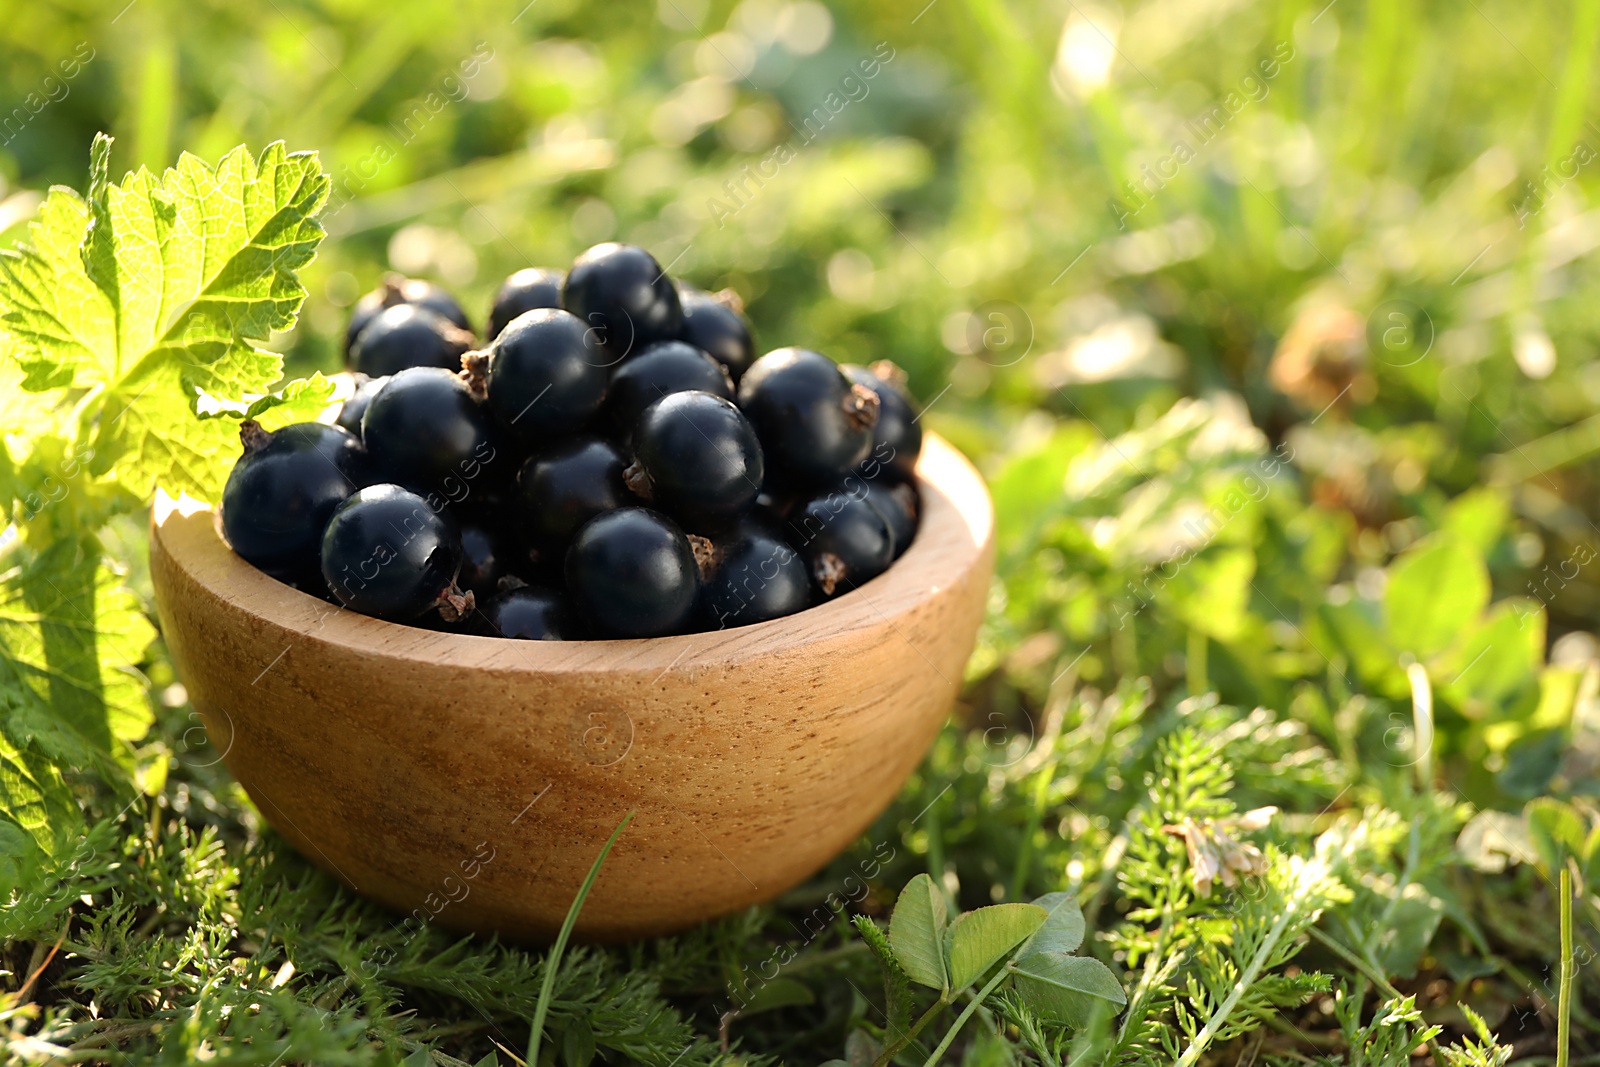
715,322
560,490
485,558
897,503
542,378
624,295
387,553
282,491
754,576
530,613
350,414
662,368
814,424
407,335
397,289
897,435
425,431
696,456
633,573
527,289
844,539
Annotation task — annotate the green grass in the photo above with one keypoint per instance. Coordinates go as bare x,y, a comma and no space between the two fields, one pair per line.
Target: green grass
1247,516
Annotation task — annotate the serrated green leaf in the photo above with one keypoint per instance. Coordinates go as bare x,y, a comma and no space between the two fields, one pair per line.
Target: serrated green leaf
980,939
58,319
70,636
155,443
1436,591
1067,989
1063,927
916,933
154,292
302,400
34,801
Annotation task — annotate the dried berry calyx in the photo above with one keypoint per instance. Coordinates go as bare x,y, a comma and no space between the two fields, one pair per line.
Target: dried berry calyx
455,605
829,570
475,374
861,407
706,555
638,481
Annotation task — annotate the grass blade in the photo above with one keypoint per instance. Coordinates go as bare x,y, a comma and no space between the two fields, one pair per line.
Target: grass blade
552,963
1568,967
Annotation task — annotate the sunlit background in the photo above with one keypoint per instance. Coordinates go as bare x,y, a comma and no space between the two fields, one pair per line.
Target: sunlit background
1245,309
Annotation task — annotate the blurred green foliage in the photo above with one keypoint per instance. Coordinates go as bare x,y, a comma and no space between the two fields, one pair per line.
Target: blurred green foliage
1268,322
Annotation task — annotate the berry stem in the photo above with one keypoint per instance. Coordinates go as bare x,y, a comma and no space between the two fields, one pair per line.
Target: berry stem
392,293
253,437
861,407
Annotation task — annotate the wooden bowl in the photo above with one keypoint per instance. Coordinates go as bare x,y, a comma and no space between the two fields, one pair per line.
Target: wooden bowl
471,780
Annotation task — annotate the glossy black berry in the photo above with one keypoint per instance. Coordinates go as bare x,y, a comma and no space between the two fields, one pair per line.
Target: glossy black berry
530,613
697,458
899,506
387,553
754,576
560,490
897,435
814,424
542,378
408,335
397,289
526,290
282,491
632,572
661,369
844,539
622,292
485,558
425,431
716,324
352,410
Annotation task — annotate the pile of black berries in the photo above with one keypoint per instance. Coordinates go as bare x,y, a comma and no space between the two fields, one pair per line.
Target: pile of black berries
613,462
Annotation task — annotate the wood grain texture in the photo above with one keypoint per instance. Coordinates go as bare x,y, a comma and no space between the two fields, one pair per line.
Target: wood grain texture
399,758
